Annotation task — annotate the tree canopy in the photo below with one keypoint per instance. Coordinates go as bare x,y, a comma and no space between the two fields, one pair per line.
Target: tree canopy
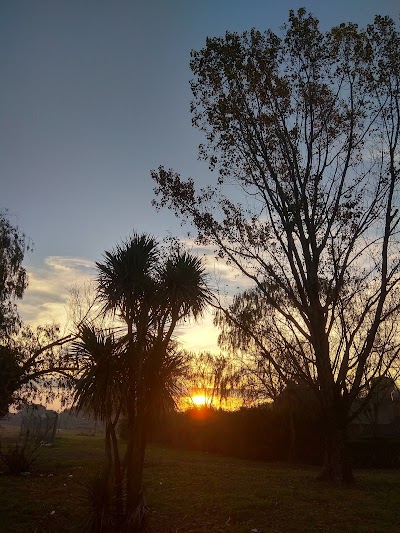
13,278
32,361
306,127
34,364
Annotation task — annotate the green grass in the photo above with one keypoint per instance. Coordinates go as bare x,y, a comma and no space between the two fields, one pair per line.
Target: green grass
202,493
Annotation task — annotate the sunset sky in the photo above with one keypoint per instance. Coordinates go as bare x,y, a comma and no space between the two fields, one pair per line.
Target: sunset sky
95,94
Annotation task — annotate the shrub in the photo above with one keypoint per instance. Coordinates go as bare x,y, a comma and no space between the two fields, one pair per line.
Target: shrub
98,501
20,457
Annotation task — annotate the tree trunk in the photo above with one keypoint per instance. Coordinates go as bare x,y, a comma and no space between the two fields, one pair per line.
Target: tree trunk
118,478
108,450
337,466
136,516
292,456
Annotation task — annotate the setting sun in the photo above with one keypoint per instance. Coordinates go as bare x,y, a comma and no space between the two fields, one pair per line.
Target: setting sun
199,399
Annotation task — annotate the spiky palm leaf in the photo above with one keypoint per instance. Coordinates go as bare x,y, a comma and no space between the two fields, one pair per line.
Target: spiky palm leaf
127,275
183,285
101,386
164,378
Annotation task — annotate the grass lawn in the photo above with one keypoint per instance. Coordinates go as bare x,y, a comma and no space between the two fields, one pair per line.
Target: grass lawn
197,492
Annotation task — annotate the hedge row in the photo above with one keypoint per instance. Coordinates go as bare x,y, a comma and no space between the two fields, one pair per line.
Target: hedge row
264,433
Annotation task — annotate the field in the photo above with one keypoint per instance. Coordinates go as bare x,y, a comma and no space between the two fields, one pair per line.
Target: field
196,492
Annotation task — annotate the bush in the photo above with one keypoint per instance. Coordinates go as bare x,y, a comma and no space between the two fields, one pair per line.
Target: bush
98,500
20,457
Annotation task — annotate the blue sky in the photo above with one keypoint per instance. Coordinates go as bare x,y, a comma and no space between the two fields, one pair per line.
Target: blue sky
94,95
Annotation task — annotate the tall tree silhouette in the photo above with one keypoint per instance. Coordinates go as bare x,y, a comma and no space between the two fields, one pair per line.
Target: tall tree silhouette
306,125
149,294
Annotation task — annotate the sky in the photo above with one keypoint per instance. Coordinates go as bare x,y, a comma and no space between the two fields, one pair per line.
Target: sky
93,96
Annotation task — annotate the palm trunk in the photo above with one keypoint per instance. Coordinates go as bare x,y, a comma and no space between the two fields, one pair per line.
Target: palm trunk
118,477
108,450
135,504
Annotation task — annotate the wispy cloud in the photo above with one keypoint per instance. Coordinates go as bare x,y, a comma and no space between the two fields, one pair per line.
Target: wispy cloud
45,299
199,336
224,279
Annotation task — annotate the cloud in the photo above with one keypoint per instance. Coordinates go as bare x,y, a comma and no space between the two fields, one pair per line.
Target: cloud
199,336
45,299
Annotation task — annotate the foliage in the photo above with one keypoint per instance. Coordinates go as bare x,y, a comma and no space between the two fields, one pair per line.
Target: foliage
34,364
265,433
97,498
100,386
13,278
261,433
20,457
10,375
307,126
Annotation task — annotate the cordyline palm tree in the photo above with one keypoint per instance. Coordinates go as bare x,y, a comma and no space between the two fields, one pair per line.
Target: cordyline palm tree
150,295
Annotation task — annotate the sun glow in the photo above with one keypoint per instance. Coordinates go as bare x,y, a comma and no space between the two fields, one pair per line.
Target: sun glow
199,400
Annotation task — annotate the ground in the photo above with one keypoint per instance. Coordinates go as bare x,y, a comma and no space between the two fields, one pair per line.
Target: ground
191,492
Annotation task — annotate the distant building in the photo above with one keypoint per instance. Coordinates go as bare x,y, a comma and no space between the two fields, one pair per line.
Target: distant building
39,425
380,418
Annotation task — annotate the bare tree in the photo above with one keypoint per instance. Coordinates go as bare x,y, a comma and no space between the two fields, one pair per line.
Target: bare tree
304,133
